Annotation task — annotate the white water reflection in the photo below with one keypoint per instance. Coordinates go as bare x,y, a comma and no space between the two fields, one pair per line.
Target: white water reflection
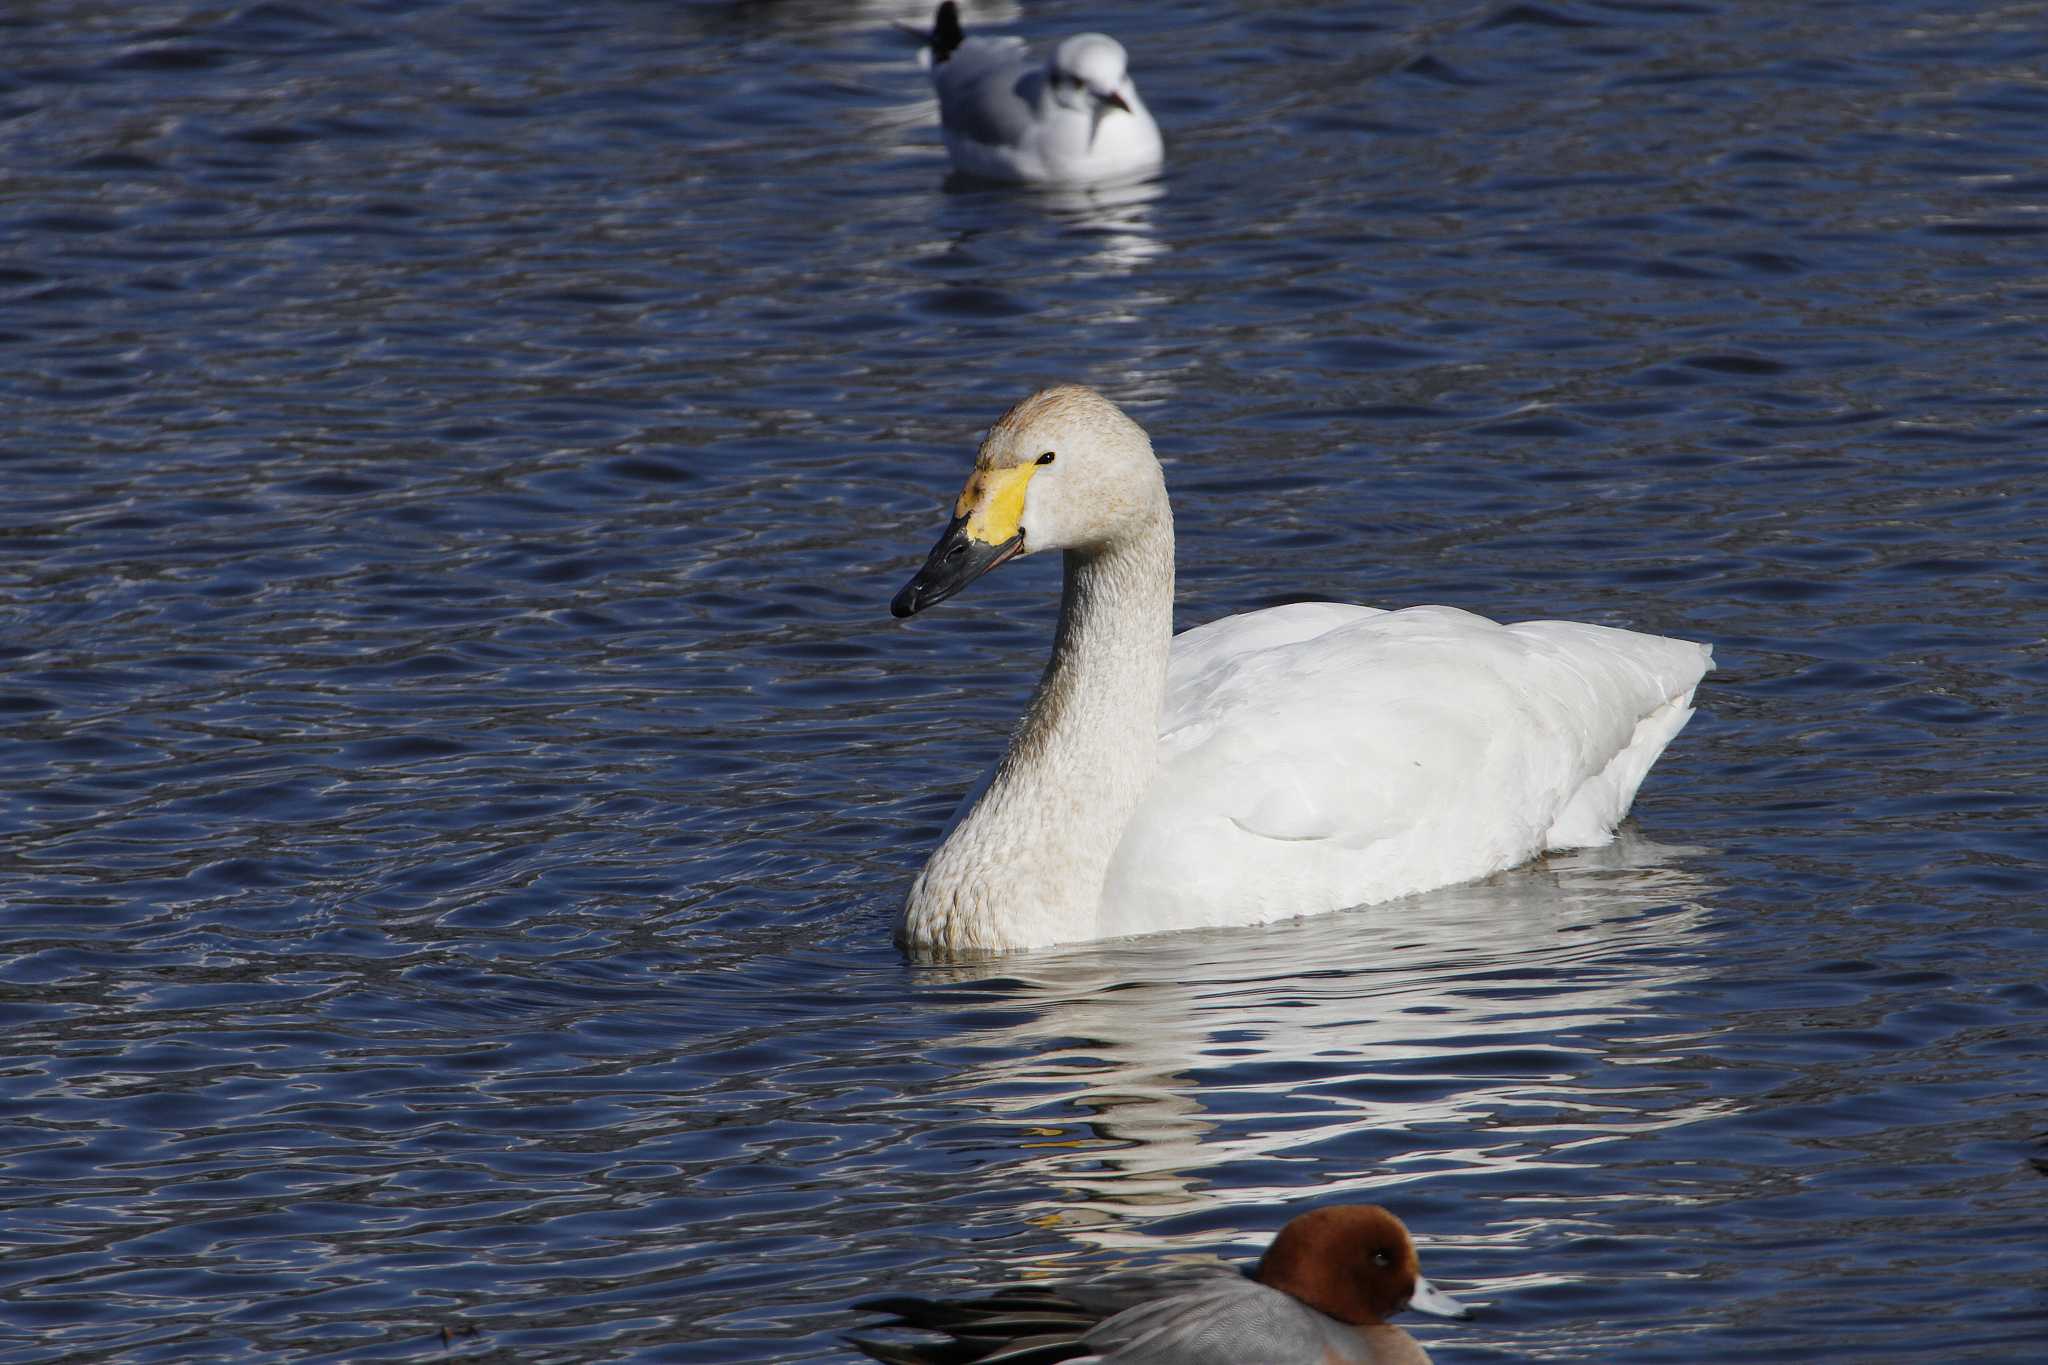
1116,224
1462,1017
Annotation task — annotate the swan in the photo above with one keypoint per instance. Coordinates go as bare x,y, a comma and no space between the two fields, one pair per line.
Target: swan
1073,118
1291,761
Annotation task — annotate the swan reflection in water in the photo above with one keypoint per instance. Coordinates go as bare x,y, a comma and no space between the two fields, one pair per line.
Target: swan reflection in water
1371,1045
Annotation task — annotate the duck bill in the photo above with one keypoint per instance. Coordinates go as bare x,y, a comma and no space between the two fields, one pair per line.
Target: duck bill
957,560
1429,1299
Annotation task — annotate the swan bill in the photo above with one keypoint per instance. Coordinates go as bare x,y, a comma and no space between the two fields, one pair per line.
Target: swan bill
957,560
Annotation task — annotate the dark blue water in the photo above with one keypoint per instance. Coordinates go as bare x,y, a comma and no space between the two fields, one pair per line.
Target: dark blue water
457,769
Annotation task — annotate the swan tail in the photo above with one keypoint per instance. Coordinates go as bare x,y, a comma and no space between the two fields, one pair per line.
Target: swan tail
1589,817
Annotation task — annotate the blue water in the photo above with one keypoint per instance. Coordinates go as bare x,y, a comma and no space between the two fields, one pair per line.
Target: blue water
457,769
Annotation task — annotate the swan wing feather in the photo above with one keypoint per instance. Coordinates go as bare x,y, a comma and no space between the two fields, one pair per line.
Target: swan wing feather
1319,755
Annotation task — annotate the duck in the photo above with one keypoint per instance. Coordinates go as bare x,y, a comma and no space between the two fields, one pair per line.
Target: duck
1071,119
1302,759
1321,1295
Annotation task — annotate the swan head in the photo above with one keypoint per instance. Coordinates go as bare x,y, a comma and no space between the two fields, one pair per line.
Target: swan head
1090,72
1063,470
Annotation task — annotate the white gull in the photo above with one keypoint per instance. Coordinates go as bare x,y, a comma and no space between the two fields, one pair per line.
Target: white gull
1073,119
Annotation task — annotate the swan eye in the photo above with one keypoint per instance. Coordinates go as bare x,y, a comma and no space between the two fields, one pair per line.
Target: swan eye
1046,458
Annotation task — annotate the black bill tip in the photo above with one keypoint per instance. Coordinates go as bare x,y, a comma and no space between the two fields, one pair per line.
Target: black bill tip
957,560
946,32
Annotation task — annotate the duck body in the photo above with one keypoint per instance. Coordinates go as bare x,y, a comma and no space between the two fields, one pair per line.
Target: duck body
1071,119
1297,760
1320,1296
1230,1320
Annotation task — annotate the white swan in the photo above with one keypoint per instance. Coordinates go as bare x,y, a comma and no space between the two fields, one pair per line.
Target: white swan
1072,119
1285,762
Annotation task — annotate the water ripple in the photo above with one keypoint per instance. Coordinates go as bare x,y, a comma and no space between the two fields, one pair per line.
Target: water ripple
460,772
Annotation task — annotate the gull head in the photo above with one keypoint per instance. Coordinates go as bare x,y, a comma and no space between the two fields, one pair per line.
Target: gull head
1090,72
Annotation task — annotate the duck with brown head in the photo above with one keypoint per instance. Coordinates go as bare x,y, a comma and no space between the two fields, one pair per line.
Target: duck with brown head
1321,1295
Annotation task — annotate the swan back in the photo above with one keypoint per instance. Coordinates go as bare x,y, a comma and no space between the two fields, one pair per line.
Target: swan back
1320,756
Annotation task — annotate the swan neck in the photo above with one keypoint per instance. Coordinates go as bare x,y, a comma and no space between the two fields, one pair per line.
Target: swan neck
1026,865
1106,678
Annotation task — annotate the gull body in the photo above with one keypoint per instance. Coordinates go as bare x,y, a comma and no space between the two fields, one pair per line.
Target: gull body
1073,118
1321,1295
1291,761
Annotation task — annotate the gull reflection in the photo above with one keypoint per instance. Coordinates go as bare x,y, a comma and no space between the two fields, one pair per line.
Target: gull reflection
1104,231
1115,221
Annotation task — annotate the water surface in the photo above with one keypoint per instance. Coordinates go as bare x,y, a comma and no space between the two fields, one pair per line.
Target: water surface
459,770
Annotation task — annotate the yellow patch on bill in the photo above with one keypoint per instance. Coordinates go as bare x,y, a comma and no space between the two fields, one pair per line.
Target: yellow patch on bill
997,499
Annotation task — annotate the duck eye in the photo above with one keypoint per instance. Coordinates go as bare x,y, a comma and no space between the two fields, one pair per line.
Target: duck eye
1046,458
1382,1260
